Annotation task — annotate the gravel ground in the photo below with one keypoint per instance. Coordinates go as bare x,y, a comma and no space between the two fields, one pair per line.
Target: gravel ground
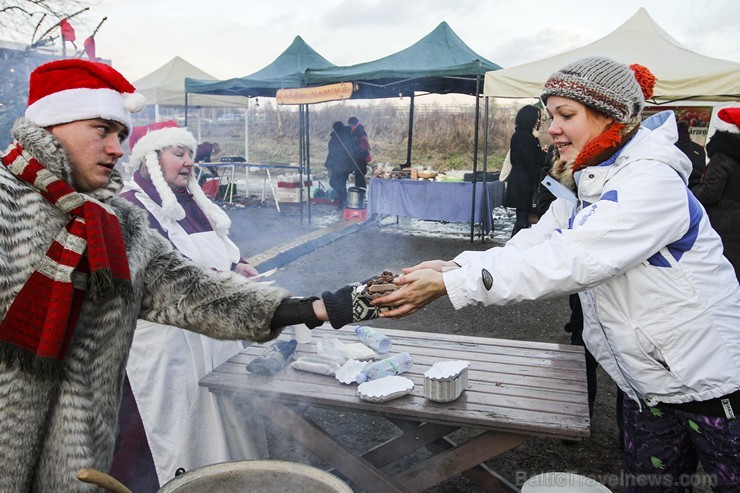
391,245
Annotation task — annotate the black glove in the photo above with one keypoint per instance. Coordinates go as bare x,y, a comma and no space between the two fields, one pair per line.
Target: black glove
348,305
273,359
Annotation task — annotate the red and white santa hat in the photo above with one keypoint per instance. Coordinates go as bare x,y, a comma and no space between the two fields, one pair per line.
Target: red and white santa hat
73,89
728,120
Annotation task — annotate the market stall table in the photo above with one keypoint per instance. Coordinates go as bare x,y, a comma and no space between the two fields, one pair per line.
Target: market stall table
228,174
436,201
516,390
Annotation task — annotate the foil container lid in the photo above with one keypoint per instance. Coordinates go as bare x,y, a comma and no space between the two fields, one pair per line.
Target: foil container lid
446,370
385,389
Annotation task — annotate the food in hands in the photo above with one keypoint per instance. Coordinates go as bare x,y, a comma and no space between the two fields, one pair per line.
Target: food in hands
380,285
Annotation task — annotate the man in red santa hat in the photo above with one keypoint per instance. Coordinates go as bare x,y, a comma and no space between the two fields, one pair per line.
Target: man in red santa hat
80,266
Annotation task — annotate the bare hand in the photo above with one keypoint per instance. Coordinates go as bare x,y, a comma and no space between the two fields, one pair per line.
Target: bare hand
419,286
435,265
245,269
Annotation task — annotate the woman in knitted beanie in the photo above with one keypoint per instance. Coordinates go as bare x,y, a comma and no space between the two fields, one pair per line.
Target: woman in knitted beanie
166,420
661,303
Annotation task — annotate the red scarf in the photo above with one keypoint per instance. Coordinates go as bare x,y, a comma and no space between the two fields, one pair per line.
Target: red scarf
42,318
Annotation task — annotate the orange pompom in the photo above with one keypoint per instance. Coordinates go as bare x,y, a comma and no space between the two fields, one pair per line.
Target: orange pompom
645,78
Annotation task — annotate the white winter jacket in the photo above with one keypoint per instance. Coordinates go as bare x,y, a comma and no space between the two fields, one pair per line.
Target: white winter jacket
661,304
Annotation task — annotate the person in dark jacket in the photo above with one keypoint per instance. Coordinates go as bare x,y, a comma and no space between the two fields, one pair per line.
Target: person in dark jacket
719,190
361,152
527,158
695,153
339,160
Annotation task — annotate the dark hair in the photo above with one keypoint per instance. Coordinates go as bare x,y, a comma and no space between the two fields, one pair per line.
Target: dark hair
337,126
527,117
683,130
353,120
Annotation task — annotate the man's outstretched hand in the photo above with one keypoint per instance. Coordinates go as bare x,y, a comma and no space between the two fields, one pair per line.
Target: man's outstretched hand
347,305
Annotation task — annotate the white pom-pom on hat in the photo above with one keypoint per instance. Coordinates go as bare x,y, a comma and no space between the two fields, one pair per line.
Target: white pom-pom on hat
134,102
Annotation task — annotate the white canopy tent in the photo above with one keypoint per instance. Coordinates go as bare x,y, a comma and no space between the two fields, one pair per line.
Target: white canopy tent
166,87
682,74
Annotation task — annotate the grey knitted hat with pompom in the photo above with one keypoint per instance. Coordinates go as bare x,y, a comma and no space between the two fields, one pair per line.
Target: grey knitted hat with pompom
600,83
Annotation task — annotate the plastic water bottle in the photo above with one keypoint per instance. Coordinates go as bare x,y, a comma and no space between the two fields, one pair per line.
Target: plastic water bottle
395,365
373,339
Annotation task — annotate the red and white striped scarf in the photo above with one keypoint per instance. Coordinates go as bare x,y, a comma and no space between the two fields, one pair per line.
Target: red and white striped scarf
40,322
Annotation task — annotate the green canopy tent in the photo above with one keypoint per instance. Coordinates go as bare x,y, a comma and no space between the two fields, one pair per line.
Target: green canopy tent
286,71
439,63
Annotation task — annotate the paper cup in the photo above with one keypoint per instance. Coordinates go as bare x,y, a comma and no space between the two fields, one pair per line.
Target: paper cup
302,334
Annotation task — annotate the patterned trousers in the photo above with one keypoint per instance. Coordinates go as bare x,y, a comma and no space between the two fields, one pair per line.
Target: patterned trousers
663,447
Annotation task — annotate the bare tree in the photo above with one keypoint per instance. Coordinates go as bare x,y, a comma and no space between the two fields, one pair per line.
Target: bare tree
31,21
32,27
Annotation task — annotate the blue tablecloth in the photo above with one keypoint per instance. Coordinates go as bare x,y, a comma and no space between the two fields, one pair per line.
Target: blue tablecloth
436,201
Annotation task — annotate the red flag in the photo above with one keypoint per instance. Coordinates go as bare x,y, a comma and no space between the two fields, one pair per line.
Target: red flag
90,48
68,32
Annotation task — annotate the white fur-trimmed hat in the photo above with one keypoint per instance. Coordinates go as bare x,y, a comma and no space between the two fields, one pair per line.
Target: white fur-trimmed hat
728,120
146,141
73,89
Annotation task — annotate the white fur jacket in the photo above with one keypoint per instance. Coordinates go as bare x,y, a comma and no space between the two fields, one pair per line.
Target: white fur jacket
49,429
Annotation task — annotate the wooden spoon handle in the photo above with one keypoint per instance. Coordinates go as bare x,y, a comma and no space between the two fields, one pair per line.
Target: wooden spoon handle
101,479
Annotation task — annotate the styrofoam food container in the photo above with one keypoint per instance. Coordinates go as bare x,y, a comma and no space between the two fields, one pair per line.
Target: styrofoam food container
562,482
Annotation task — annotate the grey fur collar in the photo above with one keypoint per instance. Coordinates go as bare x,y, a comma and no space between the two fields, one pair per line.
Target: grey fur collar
49,152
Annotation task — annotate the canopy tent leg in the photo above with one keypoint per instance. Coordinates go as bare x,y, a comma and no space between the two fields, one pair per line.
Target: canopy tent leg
485,220
411,132
475,154
245,111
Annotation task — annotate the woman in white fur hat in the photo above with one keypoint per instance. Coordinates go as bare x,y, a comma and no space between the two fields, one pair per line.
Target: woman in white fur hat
167,422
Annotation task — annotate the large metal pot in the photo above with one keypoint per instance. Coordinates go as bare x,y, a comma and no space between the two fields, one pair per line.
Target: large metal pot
355,198
263,476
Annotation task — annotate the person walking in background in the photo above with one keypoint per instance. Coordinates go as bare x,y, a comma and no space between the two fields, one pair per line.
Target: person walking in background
527,160
661,304
339,160
166,421
695,152
719,190
81,265
205,151
361,154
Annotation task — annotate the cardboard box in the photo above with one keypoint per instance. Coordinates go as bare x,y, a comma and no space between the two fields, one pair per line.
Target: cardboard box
291,195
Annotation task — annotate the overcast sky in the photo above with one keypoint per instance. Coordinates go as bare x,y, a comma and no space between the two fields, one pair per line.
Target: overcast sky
233,38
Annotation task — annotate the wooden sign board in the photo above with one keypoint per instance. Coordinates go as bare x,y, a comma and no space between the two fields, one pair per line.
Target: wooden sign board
318,94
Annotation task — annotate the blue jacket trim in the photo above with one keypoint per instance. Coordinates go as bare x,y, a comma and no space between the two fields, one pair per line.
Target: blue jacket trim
677,248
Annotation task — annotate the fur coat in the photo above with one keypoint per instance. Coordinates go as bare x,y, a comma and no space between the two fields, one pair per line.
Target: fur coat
50,428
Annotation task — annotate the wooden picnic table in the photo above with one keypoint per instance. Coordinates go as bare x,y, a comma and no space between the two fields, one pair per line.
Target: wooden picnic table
516,389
